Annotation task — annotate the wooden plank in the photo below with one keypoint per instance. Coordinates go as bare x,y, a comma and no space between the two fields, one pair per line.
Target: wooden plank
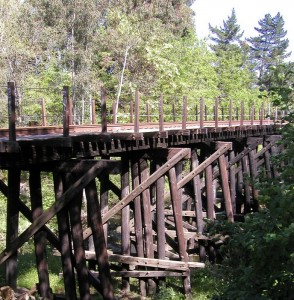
148,274
209,193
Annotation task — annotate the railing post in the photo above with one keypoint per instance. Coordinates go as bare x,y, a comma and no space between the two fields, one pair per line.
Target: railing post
184,113
230,113
103,111
93,110
11,111
216,112
131,111
201,112
65,92
44,116
161,113
137,102
242,114
174,112
252,115
148,112
261,114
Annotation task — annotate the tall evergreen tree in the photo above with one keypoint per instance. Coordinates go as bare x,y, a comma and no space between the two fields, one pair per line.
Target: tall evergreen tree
269,48
229,34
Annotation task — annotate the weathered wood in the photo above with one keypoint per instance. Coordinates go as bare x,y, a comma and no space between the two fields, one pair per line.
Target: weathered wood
125,219
161,117
39,237
232,182
49,213
77,239
209,193
226,187
95,219
138,219
137,112
177,208
139,189
184,113
11,111
65,93
12,223
65,242
103,111
247,194
147,274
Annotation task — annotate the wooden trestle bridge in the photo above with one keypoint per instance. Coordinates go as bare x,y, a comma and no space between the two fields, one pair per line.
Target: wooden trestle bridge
165,182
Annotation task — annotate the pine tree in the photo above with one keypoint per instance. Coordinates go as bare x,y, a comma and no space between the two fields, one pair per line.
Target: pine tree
269,47
228,34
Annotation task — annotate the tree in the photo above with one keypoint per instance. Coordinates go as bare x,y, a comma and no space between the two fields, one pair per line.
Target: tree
227,35
269,47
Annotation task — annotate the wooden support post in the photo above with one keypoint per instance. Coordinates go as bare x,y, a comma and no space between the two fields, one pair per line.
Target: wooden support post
103,111
161,120
65,243
40,236
253,172
209,193
225,185
77,238
70,111
65,92
184,113
267,161
216,112
232,171
138,220
94,211
147,218
201,113
137,112
93,110
177,211
198,202
11,111
246,172
44,115
160,215
242,114
12,224
125,220
230,113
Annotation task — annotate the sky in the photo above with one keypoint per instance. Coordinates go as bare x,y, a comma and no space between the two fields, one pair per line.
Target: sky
248,13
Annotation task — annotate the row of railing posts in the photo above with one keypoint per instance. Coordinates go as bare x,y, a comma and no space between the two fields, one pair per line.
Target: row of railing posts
201,114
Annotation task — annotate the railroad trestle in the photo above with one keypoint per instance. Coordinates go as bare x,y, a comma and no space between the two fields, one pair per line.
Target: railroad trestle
157,188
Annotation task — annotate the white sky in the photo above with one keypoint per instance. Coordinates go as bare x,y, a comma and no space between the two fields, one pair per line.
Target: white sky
248,13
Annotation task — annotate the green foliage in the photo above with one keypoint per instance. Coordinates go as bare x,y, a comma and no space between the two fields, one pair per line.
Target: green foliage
269,47
258,255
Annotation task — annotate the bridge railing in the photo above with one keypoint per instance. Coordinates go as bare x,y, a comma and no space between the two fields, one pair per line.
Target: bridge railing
161,115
